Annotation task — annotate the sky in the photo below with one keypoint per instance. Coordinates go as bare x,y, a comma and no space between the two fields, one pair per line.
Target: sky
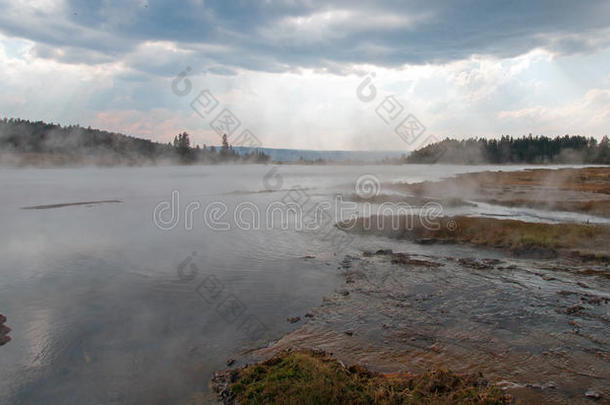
327,75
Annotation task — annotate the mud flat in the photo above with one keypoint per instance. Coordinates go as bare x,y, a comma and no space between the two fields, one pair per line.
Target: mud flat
536,328
585,190
526,305
523,309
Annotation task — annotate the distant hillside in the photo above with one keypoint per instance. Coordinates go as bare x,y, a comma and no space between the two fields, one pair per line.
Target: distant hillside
28,142
38,143
41,144
529,149
304,155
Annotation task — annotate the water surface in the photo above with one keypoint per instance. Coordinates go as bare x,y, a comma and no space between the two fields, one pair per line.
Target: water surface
100,312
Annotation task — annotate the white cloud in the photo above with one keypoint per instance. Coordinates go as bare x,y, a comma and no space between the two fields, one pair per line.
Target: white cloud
589,115
333,24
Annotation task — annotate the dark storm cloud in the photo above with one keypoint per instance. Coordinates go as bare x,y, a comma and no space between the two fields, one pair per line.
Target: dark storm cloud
219,36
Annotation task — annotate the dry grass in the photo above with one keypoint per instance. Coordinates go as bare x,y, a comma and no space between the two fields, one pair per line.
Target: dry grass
317,378
580,190
517,236
589,179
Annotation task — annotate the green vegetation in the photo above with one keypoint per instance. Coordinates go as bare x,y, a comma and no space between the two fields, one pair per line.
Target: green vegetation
317,378
25,142
530,149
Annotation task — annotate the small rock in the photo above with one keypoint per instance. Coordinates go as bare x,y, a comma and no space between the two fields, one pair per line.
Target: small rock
426,241
595,300
294,319
435,348
476,263
349,332
592,394
230,362
4,331
309,315
574,308
506,385
343,292
346,263
565,292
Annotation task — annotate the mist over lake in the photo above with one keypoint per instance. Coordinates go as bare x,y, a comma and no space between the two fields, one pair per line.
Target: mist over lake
105,306
304,202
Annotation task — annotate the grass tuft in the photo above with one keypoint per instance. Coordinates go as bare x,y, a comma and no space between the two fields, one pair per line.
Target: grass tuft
300,377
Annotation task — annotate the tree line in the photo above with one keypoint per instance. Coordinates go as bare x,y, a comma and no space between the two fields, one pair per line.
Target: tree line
526,149
224,153
23,141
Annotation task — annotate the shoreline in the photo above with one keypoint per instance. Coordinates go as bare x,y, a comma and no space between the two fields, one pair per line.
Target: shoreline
526,307
581,190
397,313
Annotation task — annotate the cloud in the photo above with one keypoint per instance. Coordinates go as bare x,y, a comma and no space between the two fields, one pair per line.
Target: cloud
289,69
287,35
331,25
586,115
